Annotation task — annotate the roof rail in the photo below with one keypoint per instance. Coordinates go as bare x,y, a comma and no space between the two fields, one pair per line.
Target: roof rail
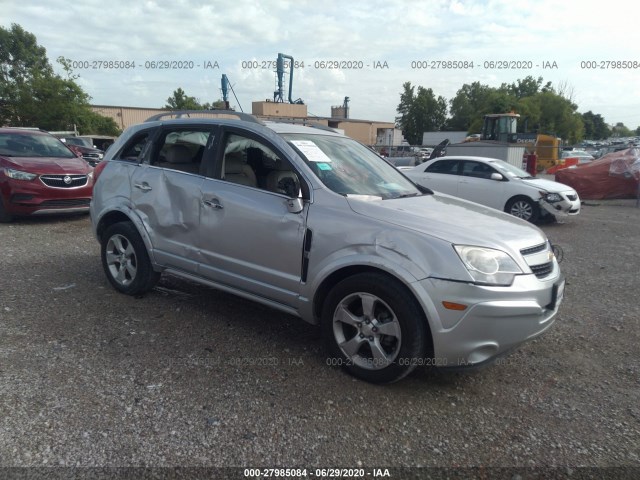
304,123
214,113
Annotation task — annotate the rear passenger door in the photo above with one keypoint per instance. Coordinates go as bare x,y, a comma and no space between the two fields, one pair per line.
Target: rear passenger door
442,176
251,239
166,192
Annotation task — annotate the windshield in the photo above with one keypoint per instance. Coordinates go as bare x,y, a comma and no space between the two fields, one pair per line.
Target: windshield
509,170
32,145
81,142
349,168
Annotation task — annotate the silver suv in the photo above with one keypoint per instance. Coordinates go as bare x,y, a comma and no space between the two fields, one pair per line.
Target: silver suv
315,224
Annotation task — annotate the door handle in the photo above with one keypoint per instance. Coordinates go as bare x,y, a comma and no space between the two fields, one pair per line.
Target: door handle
213,203
144,186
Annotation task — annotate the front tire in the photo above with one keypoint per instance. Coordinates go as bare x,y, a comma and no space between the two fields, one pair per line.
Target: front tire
125,260
524,208
374,328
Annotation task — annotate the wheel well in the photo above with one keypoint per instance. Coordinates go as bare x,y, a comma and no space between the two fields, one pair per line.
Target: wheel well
110,219
339,275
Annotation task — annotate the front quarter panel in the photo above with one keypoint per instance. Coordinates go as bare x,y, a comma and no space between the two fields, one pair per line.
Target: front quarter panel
342,239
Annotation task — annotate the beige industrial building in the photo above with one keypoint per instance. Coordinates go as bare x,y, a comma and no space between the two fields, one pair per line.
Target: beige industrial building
365,131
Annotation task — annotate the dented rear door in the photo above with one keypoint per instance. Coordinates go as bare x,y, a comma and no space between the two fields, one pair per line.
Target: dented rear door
168,202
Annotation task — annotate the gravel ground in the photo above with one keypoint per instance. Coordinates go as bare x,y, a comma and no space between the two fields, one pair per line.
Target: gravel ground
188,376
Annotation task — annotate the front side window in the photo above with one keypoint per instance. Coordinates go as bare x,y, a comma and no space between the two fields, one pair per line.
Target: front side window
249,162
349,168
32,145
477,170
509,171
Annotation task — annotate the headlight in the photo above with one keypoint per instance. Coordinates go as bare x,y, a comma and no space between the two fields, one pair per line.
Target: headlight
19,175
488,266
552,197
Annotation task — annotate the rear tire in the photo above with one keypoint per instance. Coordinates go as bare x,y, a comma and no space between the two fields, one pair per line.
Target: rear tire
374,328
125,260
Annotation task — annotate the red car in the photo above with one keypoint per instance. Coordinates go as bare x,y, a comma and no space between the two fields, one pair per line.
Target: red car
40,175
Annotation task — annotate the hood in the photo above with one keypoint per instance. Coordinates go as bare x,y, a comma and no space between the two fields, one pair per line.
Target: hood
453,220
547,185
49,165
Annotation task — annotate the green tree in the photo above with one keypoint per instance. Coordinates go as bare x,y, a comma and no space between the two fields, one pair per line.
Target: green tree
527,87
620,130
467,107
32,95
558,115
420,112
595,127
179,100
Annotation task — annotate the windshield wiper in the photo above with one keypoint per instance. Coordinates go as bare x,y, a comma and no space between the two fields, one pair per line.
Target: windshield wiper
407,195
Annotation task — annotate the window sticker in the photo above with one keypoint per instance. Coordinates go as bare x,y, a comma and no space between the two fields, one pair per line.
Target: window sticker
324,166
311,151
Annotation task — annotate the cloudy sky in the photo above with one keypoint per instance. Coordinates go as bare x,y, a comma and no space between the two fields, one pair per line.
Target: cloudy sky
240,37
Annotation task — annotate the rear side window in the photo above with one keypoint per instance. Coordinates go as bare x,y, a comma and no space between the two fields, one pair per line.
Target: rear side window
448,167
182,149
135,148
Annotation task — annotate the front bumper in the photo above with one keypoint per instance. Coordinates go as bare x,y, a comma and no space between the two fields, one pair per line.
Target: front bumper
24,198
496,320
563,208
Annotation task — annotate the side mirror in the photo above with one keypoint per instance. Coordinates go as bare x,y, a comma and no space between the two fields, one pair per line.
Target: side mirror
295,205
497,177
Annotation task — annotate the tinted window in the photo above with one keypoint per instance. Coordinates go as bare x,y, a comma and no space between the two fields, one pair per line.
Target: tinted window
477,170
449,167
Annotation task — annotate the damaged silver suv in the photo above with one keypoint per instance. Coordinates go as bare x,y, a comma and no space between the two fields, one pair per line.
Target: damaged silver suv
315,224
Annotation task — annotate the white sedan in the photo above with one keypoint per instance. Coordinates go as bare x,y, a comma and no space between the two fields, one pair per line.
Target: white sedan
497,184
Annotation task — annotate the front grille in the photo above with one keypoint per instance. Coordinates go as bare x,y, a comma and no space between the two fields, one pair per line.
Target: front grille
58,181
66,202
91,155
535,249
542,270
573,198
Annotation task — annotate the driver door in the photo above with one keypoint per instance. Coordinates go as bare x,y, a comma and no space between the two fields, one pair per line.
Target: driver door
249,237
